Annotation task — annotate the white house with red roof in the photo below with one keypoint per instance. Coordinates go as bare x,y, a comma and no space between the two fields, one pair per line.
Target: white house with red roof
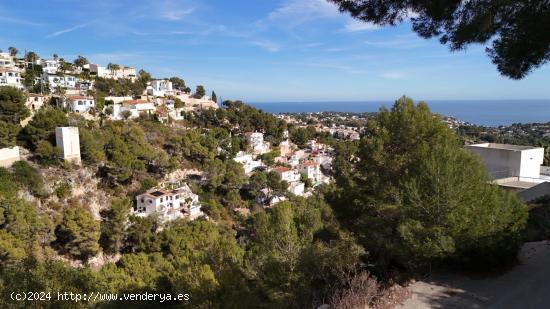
134,108
79,104
312,170
169,204
287,174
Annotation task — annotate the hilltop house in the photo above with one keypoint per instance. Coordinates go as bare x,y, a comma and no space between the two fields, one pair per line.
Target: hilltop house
123,72
134,108
6,61
249,164
49,66
312,170
11,77
257,143
169,204
295,186
63,81
159,88
79,104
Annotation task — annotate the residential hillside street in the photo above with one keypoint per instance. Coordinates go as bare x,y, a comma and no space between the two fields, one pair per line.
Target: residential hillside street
524,286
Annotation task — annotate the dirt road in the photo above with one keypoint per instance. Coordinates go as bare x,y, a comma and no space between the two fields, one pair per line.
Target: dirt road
524,286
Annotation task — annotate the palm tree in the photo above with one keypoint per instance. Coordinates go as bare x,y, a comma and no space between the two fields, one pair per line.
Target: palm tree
80,61
55,57
13,51
31,57
113,67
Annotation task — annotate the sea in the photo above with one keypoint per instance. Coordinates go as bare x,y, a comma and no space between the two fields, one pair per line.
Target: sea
491,113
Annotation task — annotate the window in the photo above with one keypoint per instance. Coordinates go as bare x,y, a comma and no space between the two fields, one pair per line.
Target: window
142,200
161,199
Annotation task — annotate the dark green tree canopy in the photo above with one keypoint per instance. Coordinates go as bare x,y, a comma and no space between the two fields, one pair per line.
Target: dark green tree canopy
518,30
12,105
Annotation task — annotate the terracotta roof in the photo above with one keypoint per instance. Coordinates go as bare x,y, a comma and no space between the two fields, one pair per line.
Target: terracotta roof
281,169
134,102
9,70
79,97
310,163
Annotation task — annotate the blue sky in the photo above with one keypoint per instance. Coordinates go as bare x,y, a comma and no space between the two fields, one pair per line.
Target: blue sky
262,50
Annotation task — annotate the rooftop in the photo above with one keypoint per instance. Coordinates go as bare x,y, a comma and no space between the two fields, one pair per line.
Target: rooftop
281,169
134,102
79,97
503,146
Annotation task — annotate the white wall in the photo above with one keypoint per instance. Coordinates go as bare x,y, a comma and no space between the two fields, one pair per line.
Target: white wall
502,163
531,160
68,141
8,156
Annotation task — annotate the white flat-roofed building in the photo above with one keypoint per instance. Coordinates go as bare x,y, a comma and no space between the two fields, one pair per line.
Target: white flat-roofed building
63,81
297,188
11,77
123,72
68,141
257,143
80,104
160,88
6,61
169,204
49,66
503,160
248,162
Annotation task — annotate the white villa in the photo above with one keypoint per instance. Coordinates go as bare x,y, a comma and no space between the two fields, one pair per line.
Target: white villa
64,81
169,204
101,71
295,186
248,162
257,143
159,88
6,61
312,170
49,66
79,104
134,107
10,77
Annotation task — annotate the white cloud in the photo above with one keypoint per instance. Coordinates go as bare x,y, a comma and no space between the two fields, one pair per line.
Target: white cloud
357,26
393,75
296,12
175,14
67,30
267,45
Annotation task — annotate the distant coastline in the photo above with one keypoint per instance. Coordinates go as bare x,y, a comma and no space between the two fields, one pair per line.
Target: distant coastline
481,112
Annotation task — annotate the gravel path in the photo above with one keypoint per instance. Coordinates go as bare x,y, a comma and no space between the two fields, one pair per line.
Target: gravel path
524,286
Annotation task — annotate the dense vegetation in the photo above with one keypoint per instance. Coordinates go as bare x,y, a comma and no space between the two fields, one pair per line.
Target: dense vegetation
413,195
405,196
